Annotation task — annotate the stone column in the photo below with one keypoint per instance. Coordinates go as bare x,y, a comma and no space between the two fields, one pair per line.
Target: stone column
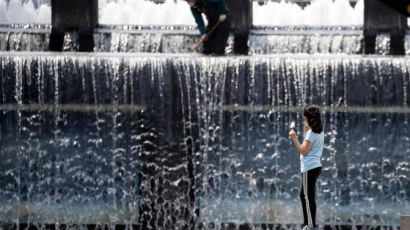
78,15
240,12
402,6
380,18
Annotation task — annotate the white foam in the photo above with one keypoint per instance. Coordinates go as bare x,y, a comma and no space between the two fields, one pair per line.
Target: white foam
131,12
23,13
44,14
318,13
142,12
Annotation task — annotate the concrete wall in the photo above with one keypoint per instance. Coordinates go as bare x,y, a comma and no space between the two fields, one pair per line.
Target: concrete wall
80,15
380,17
241,15
74,14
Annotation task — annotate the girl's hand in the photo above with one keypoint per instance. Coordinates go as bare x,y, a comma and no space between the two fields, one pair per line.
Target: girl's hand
292,134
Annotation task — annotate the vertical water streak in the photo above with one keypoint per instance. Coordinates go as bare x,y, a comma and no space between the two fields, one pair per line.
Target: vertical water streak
241,155
116,158
20,149
134,152
96,146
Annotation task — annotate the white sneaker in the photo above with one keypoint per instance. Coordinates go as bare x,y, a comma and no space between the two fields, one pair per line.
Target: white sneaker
306,227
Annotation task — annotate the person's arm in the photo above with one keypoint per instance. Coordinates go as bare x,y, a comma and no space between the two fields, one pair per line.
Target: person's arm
199,21
302,148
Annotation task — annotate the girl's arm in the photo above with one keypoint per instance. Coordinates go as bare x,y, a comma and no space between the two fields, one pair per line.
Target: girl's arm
302,148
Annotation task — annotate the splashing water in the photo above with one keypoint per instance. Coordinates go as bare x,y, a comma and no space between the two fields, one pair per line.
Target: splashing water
126,12
17,13
318,13
131,12
211,144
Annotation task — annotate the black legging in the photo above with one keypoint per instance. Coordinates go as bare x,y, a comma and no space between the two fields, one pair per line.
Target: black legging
307,196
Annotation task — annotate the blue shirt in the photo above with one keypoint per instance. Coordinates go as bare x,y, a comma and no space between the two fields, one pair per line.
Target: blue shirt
312,158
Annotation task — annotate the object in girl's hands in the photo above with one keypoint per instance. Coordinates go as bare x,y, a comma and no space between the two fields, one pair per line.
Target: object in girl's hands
292,125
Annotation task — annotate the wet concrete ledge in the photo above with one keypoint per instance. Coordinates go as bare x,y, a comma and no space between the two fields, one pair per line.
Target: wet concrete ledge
211,226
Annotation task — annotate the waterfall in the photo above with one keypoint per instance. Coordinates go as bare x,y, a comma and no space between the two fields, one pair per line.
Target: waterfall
181,39
171,141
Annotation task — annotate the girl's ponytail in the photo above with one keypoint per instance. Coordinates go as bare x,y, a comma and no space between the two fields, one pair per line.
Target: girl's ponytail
312,113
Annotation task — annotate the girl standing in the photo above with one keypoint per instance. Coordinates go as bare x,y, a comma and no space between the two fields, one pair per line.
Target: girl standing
310,153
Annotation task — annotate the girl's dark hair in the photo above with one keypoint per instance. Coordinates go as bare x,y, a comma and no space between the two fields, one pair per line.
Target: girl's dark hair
312,114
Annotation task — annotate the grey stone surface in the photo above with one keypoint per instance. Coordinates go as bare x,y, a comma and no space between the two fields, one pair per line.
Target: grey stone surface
405,222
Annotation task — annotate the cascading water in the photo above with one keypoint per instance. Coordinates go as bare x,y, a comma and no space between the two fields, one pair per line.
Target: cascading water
277,29
174,141
181,39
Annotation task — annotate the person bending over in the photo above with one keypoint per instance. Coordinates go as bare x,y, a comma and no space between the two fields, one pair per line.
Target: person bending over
215,10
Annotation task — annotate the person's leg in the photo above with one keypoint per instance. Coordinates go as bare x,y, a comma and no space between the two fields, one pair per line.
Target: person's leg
218,39
207,49
303,201
222,35
309,188
314,175
305,186
209,44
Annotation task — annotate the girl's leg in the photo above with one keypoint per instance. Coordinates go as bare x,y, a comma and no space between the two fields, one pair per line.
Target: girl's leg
303,201
309,179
